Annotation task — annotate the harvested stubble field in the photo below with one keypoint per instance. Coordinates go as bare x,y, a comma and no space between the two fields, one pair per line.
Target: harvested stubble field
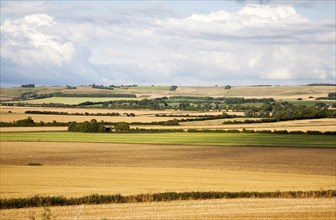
278,92
252,209
142,112
315,161
10,113
9,117
73,100
323,124
32,129
27,181
180,138
76,169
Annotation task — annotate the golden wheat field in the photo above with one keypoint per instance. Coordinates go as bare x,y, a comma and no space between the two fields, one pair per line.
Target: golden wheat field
27,181
252,209
30,129
325,124
80,118
315,161
76,169
137,112
9,114
278,92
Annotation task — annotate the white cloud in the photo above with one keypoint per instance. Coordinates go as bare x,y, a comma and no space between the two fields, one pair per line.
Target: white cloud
258,43
30,41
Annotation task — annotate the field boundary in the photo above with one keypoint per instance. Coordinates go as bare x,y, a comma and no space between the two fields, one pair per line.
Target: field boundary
156,197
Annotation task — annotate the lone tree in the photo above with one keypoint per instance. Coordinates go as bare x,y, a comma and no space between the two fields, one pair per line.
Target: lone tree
227,87
173,88
122,127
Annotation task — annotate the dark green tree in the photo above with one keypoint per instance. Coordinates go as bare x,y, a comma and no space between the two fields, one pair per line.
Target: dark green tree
122,127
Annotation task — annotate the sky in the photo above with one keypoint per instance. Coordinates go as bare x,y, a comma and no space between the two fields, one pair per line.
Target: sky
287,42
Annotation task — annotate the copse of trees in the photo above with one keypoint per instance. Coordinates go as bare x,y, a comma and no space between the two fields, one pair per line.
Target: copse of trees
286,111
70,87
102,87
90,127
172,88
332,96
29,122
173,122
28,85
122,127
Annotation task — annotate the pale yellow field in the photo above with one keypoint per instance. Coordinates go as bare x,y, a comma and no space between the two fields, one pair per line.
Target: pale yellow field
23,129
279,92
324,124
26,181
9,117
252,209
72,100
142,112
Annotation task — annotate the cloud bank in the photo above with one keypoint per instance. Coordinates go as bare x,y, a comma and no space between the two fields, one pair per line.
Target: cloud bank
257,44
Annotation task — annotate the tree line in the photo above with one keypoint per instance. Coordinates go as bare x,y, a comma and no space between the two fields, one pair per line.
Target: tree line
76,113
98,127
29,122
34,95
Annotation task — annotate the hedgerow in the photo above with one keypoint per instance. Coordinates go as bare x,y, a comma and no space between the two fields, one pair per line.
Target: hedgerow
37,201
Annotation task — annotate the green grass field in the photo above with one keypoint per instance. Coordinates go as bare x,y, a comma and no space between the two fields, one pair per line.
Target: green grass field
217,139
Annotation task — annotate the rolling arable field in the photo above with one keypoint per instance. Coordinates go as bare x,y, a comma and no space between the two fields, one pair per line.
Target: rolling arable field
41,161
252,209
278,92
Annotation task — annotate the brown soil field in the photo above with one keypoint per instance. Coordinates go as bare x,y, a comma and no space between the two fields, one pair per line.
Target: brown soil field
251,209
315,161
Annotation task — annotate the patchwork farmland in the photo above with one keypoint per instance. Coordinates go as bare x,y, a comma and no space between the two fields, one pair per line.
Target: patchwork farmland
195,152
